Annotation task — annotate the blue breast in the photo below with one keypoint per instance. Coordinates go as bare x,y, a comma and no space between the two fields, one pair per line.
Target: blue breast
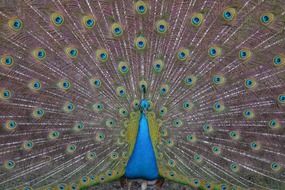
142,163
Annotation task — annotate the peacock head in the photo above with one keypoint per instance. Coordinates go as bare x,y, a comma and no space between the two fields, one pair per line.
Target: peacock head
144,105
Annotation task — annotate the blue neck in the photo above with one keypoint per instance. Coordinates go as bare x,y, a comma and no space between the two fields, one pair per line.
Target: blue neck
142,163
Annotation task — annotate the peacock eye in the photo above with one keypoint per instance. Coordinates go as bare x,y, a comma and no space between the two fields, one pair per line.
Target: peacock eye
70,106
229,14
255,145
114,155
216,150
95,82
38,113
71,148
157,66
218,80
61,186
64,84
164,89
171,173
248,114
281,99
207,128
218,107
9,164
135,104
177,123
88,22
244,54
53,135
27,188
117,29
266,18
10,125
84,179
234,167
140,43
73,52
5,94
214,52
78,126
275,166
250,83
15,24
196,182
161,26
187,105
191,138
39,54
183,54
190,80
208,186
224,187
98,107
35,85
7,60
274,124
110,122
74,187
197,19
123,112
279,60
141,7
57,19
28,145
102,55
121,91
198,158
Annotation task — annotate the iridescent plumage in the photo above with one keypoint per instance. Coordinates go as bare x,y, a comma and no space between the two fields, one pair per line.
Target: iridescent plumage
82,82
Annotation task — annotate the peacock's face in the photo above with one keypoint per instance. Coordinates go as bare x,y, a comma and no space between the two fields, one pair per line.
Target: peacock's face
144,105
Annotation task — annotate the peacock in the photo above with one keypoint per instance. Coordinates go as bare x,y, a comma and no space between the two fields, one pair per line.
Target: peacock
142,94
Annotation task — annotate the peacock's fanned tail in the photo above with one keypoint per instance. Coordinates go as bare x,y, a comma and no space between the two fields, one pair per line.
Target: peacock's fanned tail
73,74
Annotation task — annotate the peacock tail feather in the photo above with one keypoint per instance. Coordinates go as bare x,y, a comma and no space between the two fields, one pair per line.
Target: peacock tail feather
94,91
